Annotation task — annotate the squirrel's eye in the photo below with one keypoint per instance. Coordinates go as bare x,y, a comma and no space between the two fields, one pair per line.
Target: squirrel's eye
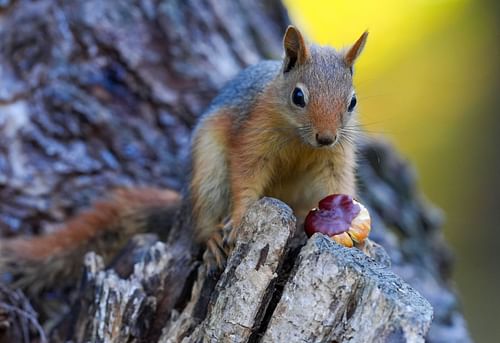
298,97
352,104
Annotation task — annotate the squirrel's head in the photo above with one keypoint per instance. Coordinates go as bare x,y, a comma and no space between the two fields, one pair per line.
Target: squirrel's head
315,87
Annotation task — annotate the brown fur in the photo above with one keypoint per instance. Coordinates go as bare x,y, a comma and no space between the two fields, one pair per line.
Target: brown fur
209,187
353,53
295,46
264,155
41,261
278,164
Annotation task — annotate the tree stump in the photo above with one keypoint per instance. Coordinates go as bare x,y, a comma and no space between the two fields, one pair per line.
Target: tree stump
332,293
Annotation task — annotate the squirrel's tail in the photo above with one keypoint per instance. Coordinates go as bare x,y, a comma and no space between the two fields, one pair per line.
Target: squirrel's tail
52,260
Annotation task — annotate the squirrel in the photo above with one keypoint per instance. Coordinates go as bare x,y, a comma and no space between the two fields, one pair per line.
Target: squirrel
283,129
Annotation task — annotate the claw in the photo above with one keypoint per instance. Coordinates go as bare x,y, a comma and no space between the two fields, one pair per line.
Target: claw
220,246
215,256
230,236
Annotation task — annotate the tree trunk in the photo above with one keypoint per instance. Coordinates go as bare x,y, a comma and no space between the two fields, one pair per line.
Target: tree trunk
97,94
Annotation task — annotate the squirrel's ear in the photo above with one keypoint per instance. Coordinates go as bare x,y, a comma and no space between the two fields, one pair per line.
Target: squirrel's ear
296,51
353,53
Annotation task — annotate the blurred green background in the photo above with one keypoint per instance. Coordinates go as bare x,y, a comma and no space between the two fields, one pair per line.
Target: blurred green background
429,80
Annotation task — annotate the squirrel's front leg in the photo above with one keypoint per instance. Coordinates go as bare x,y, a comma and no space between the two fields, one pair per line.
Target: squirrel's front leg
209,189
249,177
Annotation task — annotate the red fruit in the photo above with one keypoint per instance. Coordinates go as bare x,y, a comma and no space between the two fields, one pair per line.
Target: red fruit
333,217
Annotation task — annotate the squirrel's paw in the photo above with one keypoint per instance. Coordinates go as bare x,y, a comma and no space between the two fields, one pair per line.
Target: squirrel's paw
215,256
220,246
230,235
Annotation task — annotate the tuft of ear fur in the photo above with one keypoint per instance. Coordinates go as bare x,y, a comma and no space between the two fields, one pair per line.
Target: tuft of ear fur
296,51
353,53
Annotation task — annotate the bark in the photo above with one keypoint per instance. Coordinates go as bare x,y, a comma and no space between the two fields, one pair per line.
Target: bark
241,297
331,294
18,320
352,298
97,94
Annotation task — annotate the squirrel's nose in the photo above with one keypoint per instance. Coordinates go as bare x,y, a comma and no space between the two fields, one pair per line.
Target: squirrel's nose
325,139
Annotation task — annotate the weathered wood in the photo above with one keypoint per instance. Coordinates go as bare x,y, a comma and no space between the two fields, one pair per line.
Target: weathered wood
18,321
244,290
332,294
135,304
339,295
115,309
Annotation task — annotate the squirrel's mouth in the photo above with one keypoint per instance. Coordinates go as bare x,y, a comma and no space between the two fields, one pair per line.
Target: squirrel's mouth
326,146
325,142
315,145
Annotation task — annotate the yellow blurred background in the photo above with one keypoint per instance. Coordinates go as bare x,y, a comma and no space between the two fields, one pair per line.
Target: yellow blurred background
429,81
